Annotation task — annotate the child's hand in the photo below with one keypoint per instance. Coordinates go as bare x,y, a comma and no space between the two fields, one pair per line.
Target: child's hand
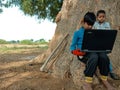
78,52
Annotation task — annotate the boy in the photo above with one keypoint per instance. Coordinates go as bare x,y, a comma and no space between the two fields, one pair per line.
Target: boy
102,24
92,62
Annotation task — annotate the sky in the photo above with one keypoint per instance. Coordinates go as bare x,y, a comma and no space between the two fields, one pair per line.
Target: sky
14,25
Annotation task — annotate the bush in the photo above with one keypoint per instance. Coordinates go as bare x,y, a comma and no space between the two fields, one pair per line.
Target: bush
28,42
41,41
3,41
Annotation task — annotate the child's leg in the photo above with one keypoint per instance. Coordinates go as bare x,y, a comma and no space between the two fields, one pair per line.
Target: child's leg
107,85
103,64
91,66
112,74
111,68
87,86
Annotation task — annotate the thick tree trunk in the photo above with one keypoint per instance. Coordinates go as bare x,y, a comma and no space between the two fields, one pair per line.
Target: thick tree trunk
63,64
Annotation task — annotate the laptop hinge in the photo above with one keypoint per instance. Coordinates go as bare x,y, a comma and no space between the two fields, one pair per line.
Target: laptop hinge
85,50
108,50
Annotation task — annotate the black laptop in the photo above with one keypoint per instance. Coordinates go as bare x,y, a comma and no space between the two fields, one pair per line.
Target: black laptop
96,40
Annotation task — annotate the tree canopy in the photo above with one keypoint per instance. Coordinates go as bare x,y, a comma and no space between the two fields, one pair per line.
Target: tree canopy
42,9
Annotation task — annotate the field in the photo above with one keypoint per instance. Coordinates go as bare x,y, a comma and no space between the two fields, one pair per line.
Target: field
16,72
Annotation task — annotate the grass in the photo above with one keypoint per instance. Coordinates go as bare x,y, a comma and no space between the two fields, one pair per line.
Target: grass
17,48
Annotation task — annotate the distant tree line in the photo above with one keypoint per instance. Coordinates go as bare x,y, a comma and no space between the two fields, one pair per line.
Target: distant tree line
25,41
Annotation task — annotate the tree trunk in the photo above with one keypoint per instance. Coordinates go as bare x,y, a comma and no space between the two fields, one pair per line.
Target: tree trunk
63,64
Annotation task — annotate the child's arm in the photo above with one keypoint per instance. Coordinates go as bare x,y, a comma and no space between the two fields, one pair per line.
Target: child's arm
74,42
73,48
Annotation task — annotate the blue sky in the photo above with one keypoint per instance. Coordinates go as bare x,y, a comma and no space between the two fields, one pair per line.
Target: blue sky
14,25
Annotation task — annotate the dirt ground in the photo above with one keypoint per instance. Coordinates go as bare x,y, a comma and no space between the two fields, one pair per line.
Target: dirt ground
17,74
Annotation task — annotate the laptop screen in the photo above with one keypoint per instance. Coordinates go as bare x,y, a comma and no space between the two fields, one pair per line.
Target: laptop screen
95,40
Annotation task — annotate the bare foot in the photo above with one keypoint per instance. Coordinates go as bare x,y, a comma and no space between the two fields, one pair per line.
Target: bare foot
87,86
107,85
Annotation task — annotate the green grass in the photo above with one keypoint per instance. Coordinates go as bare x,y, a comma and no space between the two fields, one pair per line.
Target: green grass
16,49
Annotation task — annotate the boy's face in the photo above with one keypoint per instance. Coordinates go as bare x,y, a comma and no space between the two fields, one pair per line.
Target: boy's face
101,17
87,26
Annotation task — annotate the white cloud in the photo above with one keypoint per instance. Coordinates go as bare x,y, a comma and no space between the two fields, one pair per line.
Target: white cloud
14,25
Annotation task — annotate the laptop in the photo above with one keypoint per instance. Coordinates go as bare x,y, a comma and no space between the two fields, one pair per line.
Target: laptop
96,40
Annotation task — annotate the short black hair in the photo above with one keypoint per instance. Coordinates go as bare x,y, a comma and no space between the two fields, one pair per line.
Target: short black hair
90,18
101,11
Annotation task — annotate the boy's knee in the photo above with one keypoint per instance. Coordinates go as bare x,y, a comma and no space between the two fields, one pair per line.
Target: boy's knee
104,58
103,55
93,58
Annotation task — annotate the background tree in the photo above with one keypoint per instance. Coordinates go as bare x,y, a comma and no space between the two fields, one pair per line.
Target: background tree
42,9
